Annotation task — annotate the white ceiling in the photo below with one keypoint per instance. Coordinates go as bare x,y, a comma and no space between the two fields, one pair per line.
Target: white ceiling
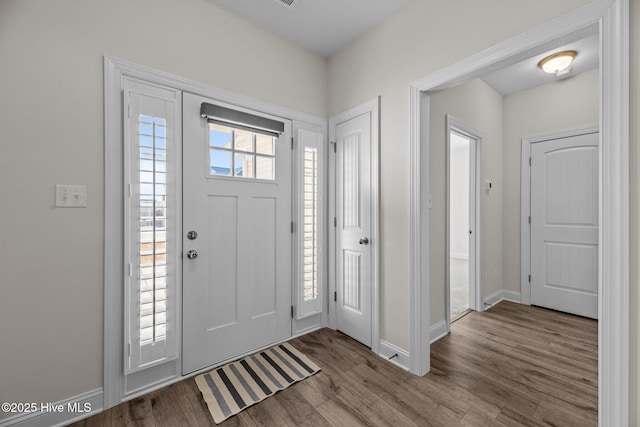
326,26
322,26
526,74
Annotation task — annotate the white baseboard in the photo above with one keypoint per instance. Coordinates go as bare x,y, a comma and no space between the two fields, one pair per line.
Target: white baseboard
388,350
437,331
512,296
501,295
59,413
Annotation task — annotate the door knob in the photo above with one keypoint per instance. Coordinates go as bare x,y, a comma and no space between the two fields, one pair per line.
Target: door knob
364,241
192,235
192,254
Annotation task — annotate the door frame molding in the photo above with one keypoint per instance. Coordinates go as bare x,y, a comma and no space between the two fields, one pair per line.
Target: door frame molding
612,18
115,70
372,107
525,202
476,253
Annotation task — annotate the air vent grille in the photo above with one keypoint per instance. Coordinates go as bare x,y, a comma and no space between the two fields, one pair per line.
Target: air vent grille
286,3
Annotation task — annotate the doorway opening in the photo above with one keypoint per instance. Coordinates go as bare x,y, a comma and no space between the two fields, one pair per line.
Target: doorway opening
463,219
613,258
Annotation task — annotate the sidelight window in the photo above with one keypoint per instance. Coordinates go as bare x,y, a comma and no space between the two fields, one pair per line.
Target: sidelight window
152,220
310,208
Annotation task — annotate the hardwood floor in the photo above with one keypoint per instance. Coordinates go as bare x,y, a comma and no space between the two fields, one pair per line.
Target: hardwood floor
512,365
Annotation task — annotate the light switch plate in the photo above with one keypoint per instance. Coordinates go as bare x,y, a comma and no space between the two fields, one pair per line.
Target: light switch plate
71,196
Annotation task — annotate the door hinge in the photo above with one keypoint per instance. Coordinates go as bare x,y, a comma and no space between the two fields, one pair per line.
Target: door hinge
529,219
130,269
335,221
292,312
335,146
335,297
129,349
529,278
292,227
129,110
529,161
292,143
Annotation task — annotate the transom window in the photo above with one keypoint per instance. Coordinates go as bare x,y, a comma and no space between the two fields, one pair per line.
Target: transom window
240,153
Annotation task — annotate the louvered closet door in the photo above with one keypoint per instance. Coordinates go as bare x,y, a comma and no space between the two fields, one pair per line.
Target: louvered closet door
237,198
353,249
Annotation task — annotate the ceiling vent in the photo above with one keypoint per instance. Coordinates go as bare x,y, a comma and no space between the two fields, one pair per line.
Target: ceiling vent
286,3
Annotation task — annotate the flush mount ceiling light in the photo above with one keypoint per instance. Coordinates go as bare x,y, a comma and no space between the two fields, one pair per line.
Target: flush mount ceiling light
557,62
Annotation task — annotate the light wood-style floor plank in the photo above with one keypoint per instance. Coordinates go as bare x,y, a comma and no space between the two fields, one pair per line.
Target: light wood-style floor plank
510,366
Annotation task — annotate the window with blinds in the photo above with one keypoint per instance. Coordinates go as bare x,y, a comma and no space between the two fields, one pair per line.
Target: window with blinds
310,220
152,222
310,224
153,229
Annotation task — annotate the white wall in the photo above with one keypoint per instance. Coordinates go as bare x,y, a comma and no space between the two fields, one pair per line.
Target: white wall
422,37
478,105
51,122
558,106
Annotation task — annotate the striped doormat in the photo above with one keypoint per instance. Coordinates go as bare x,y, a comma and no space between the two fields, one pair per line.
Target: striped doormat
240,384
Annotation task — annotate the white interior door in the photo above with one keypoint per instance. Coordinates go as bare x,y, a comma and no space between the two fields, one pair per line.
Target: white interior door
462,223
237,292
564,224
353,248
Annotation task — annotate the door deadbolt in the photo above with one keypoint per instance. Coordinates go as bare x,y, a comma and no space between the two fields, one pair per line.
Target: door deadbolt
192,254
192,235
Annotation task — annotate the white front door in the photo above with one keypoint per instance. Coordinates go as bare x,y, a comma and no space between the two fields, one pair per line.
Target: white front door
564,224
353,247
237,198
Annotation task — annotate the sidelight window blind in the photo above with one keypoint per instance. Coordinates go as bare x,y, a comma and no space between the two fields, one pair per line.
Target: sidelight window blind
309,236
152,221
310,224
153,229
